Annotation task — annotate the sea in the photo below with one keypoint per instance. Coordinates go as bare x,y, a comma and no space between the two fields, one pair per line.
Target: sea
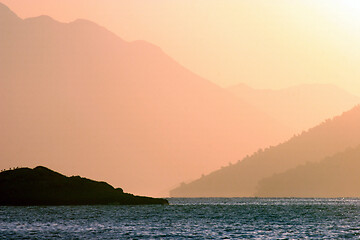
189,218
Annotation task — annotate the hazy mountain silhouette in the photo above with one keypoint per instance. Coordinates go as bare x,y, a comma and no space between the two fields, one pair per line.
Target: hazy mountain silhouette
299,107
241,179
42,186
77,98
336,176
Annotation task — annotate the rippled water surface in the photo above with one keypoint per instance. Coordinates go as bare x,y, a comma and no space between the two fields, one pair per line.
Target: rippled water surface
199,218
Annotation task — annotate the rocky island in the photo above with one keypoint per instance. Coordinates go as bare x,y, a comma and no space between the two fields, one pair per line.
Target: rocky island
42,186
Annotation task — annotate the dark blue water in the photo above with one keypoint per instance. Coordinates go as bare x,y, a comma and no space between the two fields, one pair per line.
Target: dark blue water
209,218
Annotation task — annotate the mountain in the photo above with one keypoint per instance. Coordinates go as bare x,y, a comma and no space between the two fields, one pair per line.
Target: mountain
241,179
77,98
299,107
336,176
42,186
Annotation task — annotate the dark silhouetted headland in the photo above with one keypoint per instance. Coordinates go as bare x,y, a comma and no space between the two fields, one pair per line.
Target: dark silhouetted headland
42,186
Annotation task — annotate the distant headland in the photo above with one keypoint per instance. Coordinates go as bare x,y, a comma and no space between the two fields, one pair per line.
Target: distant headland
42,186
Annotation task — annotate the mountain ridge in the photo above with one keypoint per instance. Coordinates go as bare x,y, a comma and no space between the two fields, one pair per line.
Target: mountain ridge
333,177
85,100
241,179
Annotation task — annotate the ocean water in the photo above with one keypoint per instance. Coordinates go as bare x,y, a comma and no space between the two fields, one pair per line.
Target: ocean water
198,218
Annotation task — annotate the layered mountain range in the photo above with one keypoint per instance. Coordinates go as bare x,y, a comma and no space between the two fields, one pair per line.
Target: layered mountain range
77,98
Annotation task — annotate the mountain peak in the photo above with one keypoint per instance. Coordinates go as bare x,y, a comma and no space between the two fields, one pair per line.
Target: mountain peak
83,21
44,19
6,14
4,8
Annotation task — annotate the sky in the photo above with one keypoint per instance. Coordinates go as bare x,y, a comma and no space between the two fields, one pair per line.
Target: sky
264,44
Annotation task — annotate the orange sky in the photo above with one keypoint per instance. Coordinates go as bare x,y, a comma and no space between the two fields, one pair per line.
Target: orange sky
265,44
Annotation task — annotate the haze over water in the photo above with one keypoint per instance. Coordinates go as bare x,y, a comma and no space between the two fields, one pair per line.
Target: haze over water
200,98
197,218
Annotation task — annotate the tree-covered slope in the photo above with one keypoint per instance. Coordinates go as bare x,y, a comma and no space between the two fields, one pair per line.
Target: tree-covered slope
336,176
241,179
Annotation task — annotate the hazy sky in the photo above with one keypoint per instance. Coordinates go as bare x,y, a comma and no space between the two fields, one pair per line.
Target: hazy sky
265,44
